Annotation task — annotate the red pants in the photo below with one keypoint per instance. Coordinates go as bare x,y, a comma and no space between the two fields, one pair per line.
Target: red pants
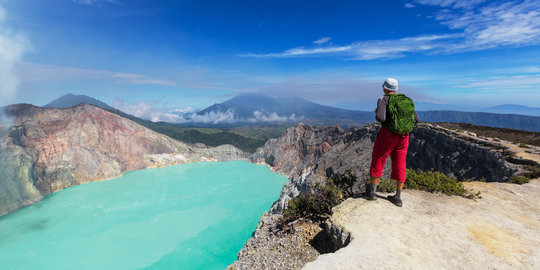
395,145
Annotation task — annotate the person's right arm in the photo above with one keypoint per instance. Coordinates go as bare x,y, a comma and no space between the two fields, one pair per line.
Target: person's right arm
380,112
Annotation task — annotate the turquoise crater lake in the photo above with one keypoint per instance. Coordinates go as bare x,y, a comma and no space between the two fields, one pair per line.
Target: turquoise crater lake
190,216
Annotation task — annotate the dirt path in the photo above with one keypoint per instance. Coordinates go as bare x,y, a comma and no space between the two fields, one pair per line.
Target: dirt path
433,231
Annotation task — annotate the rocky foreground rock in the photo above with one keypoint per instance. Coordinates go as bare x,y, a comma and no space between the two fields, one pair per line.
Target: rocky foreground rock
46,150
434,231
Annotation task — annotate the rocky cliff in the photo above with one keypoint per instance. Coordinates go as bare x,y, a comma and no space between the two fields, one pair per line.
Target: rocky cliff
46,150
307,154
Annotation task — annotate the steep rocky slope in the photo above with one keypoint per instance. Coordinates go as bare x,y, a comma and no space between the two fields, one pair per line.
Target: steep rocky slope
46,150
307,154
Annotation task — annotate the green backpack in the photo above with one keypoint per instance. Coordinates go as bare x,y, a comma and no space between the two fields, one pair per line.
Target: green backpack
400,114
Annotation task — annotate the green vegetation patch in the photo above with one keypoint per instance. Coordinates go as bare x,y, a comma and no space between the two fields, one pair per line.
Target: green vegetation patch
533,171
519,180
431,181
318,204
315,206
522,145
434,181
262,133
386,185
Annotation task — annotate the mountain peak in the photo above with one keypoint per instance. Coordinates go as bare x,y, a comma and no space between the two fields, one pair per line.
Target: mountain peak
69,100
253,107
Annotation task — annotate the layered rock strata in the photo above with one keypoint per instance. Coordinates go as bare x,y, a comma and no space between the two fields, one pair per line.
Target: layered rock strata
46,150
307,155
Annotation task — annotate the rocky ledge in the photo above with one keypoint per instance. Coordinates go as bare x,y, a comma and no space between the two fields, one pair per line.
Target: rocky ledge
434,231
308,155
46,150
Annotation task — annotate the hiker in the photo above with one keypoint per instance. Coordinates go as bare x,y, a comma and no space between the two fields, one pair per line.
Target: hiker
398,117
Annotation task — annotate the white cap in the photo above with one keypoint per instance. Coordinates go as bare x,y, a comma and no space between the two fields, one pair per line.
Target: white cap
390,84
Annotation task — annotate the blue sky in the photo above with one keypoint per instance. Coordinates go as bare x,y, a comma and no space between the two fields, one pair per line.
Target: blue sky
157,56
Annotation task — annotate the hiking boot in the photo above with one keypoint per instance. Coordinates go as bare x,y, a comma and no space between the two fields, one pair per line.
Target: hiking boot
370,197
396,201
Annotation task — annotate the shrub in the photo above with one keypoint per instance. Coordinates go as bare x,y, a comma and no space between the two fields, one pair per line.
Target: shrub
434,181
386,185
533,171
270,160
318,204
519,180
522,145
315,206
344,182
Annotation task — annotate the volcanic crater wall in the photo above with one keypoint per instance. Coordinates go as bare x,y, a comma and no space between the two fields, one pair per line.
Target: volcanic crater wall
46,150
307,155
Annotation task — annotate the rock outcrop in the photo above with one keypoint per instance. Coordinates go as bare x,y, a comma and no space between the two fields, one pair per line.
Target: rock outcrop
46,150
435,231
307,155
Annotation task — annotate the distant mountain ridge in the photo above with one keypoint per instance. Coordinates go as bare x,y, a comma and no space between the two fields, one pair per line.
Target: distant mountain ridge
512,121
294,109
312,113
514,109
214,137
258,109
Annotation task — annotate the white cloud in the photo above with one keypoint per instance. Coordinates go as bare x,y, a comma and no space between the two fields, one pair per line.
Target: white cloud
13,46
187,110
322,40
93,2
465,4
213,117
367,50
496,25
259,116
146,110
43,72
531,82
301,51
475,26
140,79
409,5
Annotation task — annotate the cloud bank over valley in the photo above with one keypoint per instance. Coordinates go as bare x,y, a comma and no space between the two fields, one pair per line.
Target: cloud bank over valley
187,115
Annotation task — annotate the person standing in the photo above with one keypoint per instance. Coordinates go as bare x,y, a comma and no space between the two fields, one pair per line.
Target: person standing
397,115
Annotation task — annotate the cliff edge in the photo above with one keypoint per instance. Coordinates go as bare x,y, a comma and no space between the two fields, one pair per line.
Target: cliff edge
431,231
434,231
